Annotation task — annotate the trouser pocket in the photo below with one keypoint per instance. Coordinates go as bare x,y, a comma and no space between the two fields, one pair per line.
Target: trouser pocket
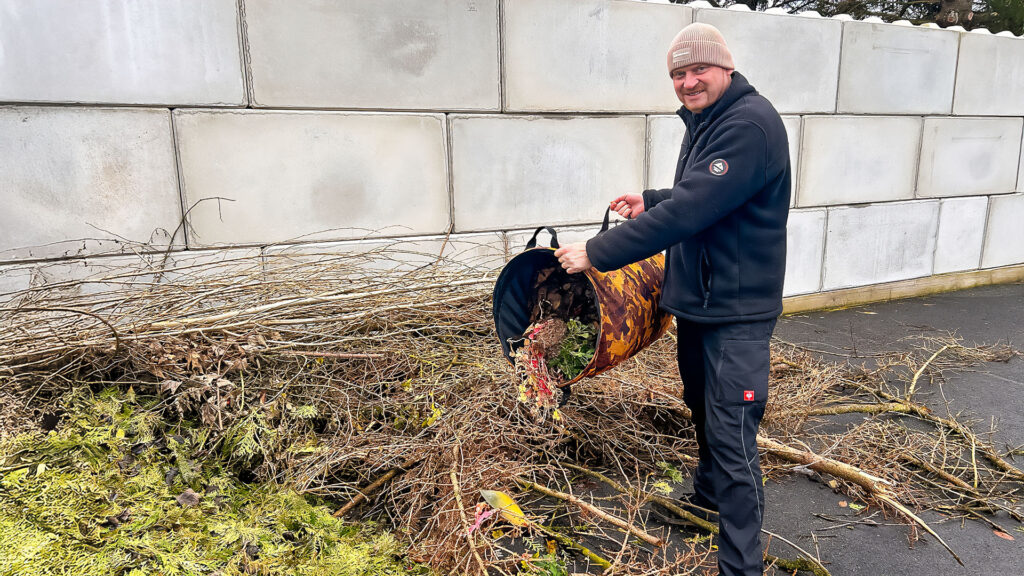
743,373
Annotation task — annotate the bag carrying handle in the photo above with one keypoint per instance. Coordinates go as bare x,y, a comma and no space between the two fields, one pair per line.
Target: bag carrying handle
604,225
554,237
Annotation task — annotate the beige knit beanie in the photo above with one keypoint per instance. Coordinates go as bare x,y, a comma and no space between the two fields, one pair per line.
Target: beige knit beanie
699,43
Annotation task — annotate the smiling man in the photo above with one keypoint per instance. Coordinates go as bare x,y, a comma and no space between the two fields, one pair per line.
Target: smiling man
723,224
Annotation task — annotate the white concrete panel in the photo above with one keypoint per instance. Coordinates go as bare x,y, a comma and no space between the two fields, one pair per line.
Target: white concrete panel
805,247
516,171
378,54
961,233
854,160
890,69
156,52
311,175
589,55
79,181
879,243
791,60
990,76
664,139
792,124
965,156
1004,237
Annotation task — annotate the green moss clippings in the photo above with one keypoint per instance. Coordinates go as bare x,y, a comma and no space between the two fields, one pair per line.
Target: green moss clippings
113,491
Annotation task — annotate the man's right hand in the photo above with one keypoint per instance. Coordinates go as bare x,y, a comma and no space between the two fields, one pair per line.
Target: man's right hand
628,205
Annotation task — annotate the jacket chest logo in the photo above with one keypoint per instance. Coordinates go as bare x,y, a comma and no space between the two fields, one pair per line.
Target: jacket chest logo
718,167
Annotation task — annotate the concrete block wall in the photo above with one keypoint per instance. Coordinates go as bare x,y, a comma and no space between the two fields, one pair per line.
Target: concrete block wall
297,128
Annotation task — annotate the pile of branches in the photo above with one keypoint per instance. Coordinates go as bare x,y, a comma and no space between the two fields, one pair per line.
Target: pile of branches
408,409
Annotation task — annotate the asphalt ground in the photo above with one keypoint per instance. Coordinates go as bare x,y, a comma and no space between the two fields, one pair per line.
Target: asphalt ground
991,395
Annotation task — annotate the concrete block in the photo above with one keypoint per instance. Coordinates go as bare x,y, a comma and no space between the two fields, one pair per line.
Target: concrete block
890,69
793,125
520,171
879,243
961,233
1004,236
151,52
376,54
854,160
990,76
805,247
793,61
965,156
80,181
589,55
664,138
311,175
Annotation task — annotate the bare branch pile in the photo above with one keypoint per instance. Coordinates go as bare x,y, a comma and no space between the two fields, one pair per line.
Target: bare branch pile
374,379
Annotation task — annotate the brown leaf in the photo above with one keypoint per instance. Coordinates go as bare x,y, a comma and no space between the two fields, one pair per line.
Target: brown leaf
1002,535
188,498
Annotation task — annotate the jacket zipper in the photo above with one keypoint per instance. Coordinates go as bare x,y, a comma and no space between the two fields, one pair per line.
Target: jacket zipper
705,286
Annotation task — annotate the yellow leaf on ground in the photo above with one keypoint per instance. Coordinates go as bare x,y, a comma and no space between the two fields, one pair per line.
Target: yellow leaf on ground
504,504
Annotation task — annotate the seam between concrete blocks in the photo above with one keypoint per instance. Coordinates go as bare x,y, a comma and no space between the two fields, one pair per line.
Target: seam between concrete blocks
917,158
989,207
502,92
824,248
839,72
647,154
956,72
446,128
938,234
246,60
179,174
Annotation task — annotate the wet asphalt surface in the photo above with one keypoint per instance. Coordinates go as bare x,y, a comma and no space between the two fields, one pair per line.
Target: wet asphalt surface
990,394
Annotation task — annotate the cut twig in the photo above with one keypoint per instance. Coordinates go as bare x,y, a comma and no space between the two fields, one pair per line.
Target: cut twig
591,509
913,382
374,486
462,510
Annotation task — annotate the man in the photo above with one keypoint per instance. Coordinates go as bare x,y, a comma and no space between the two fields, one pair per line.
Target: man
724,226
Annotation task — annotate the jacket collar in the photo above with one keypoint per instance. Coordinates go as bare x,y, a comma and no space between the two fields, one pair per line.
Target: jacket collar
738,88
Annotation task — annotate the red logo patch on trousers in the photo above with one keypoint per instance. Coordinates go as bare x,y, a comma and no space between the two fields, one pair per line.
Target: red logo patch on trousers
748,395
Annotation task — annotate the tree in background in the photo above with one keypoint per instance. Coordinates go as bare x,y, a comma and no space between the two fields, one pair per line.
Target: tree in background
996,15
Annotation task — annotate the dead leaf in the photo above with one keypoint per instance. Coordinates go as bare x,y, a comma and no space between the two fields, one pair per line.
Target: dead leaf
843,503
188,498
502,502
1002,535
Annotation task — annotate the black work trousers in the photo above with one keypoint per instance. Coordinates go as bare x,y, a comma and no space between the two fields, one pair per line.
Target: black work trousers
724,368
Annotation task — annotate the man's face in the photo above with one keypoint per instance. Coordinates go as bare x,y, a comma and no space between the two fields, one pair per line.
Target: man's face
700,85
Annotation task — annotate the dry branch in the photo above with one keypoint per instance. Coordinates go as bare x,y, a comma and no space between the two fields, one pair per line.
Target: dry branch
591,509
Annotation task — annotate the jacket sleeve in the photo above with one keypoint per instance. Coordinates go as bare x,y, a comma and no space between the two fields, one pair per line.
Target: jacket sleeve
728,171
653,197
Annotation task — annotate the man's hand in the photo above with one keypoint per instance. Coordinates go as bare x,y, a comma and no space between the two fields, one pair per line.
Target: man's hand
573,258
628,205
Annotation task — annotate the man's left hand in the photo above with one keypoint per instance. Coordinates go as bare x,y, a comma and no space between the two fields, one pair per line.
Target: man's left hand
573,258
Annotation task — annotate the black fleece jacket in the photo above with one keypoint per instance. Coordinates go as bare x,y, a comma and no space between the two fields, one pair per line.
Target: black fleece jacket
724,221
